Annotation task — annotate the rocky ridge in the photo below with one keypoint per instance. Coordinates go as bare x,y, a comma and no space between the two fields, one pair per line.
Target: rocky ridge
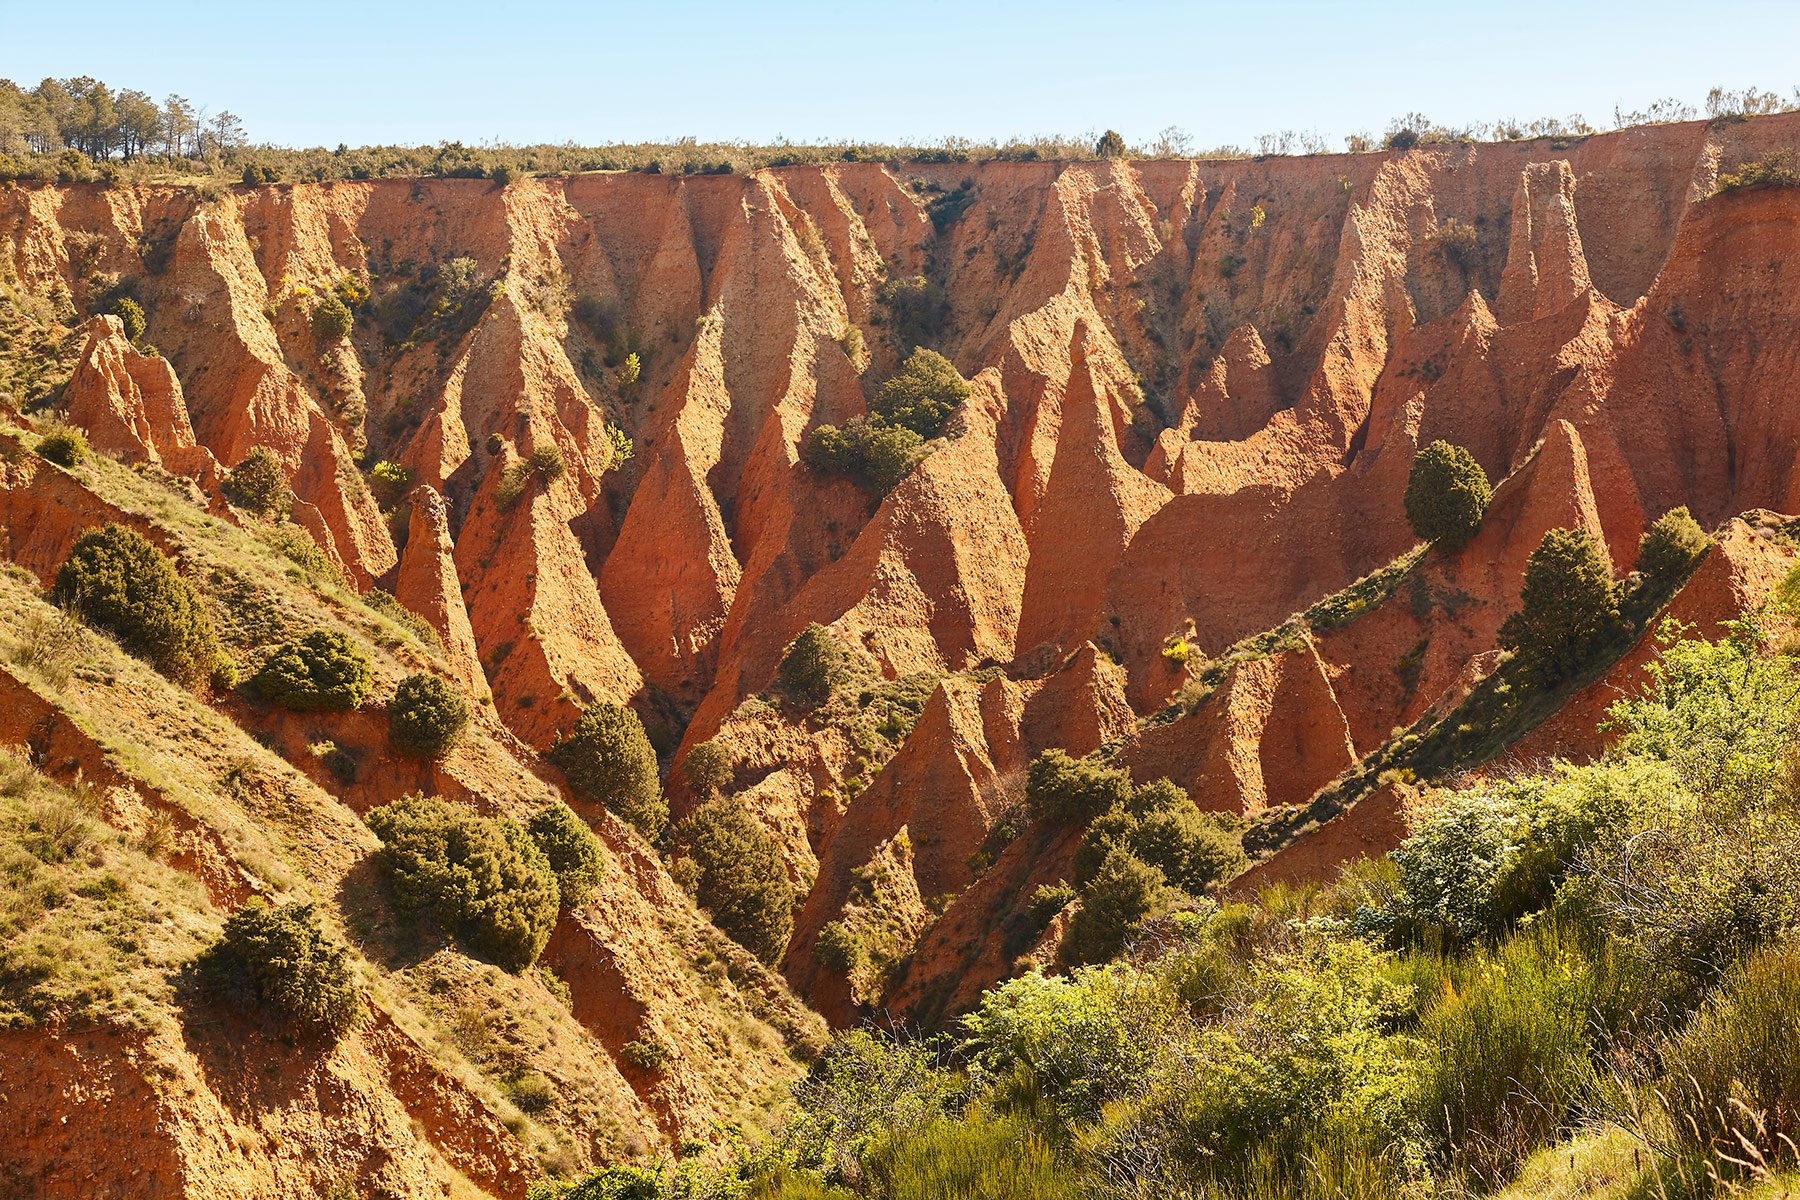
1197,390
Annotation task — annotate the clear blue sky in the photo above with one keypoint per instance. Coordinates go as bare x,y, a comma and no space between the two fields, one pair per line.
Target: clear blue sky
319,72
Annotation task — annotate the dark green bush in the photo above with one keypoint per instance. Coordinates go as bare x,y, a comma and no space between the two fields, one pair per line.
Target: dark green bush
131,316
1670,548
331,319
116,580
258,484
283,959
64,445
743,880
256,174
1447,495
1159,825
922,395
1060,788
1112,830
503,174
1193,850
1113,908
1569,605
812,666
1110,145
708,769
839,949
876,455
319,671
608,759
484,878
571,849
426,716
1047,901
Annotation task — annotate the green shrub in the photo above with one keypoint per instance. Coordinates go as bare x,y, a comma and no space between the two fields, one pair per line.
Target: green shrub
1193,850
917,308
648,1055
258,484
116,580
743,880
131,316
812,666
1060,788
1781,169
876,455
608,759
869,1084
331,319
708,769
391,481
1112,830
484,878
546,462
1569,605
283,959
1049,900
571,849
64,445
839,949
504,174
1110,145
1447,495
1113,908
1670,548
426,716
319,671
922,395
511,485
1492,853
1732,1077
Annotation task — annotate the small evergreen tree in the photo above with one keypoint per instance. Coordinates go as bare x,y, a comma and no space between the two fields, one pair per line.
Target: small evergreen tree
258,484
1049,900
131,316
320,671
812,666
608,759
1110,145
571,849
484,878
743,880
1060,788
708,769
331,319
1569,605
426,716
1447,495
1671,547
839,949
121,583
1113,908
923,394
283,958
